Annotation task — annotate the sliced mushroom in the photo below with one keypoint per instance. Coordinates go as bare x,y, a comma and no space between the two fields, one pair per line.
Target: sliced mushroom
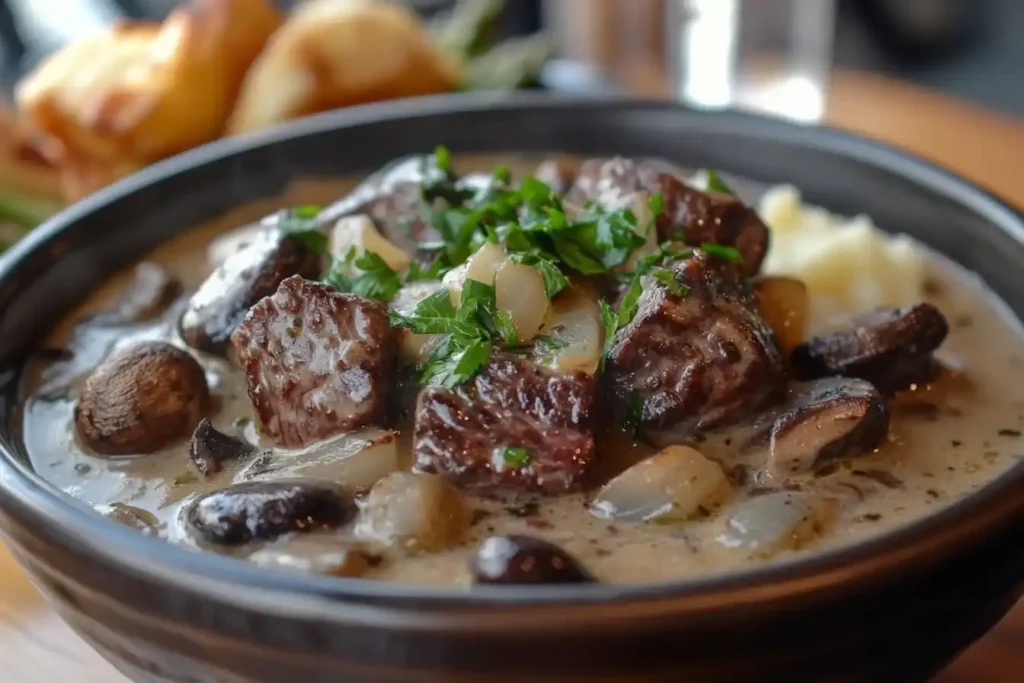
832,418
356,460
414,512
265,510
766,525
140,399
245,277
210,449
318,554
785,305
150,292
525,559
891,348
674,484
129,515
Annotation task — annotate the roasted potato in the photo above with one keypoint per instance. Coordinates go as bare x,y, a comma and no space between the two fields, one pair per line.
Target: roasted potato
150,90
333,53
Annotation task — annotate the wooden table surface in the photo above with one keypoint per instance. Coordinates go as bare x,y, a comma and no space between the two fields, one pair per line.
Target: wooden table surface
36,647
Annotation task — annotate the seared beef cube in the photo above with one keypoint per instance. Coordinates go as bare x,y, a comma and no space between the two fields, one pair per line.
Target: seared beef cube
514,426
697,360
245,277
891,348
689,215
317,362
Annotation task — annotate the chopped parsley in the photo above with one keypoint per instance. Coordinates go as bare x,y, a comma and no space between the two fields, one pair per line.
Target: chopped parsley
731,254
471,331
713,183
514,456
610,323
300,224
365,274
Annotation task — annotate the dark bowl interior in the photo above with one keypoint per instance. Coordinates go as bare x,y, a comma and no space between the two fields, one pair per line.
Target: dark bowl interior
42,277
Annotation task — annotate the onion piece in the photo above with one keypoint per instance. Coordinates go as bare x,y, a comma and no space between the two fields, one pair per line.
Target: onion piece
481,266
575,321
413,511
359,232
766,525
356,460
785,305
645,228
519,290
673,484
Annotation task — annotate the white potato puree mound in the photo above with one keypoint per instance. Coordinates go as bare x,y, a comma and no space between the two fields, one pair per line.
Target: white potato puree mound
848,264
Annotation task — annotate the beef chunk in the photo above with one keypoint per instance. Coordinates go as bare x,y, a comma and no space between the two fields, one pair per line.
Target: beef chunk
891,348
690,215
245,277
694,361
825,420
512,427
317,362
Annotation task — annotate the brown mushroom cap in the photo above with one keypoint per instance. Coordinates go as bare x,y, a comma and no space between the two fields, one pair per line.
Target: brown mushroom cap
140,399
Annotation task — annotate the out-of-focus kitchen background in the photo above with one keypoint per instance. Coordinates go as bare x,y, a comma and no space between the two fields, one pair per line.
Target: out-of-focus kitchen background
87,110
969,48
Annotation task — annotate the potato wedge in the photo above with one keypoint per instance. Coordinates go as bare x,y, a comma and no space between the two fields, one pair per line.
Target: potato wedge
785,306
334,53
139,92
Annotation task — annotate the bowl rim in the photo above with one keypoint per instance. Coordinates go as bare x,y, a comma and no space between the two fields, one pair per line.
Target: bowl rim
866,563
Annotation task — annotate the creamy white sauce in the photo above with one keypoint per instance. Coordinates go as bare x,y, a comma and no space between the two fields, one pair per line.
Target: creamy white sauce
947,439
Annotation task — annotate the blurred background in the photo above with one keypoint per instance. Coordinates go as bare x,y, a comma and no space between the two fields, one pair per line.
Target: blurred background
969,48
96,89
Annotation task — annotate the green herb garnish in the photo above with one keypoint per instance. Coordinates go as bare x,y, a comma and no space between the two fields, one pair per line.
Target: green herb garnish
300,225
365,274
713,183
726,253
472,329
514,456
610,322
667,277
554,280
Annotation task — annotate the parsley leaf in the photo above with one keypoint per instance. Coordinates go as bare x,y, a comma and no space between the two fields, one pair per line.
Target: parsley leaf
366,275
506,328
628,307
712,182
300,224
667,277
610,322
554,280
452,363
514,456
726,253
434,271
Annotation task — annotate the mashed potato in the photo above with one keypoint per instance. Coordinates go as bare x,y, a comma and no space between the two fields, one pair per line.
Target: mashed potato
849,265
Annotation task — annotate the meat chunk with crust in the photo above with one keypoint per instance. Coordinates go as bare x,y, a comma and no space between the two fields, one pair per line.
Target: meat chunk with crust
242,279
891,348
317,362
689,215
696,360
514,426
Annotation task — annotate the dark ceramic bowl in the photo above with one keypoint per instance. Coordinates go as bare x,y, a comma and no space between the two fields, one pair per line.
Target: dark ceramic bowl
893,608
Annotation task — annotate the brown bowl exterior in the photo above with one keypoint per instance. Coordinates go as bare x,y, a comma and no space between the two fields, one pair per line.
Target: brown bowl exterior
893,608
